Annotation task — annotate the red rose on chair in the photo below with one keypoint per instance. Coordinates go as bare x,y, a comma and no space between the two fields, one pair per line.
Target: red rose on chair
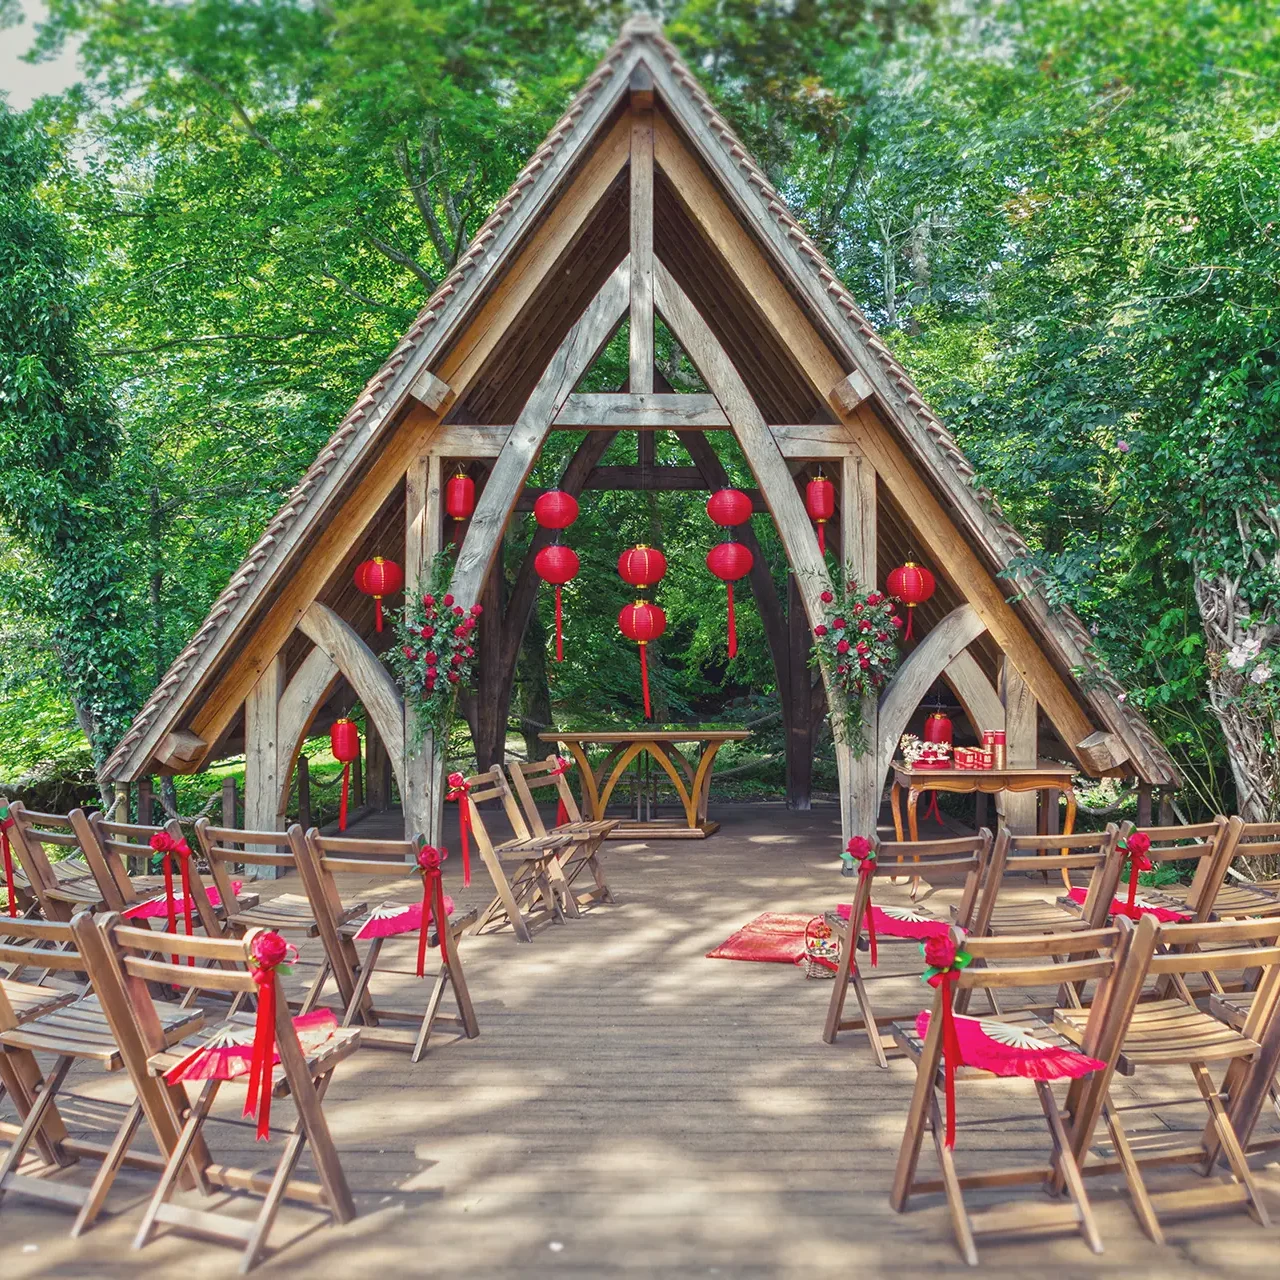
859,846
1138,845
940,952
270,950
431,858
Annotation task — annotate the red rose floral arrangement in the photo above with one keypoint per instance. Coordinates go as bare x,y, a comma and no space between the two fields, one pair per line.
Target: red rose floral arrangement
436,650
856,644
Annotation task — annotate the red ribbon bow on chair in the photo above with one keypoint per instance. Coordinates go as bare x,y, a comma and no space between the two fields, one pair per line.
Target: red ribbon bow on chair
945,958
562,767
458,788
859,848
269,955
5,823
1136,847
430,861
163,843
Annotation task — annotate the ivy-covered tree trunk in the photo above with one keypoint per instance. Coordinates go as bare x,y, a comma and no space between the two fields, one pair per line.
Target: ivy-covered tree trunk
1242,687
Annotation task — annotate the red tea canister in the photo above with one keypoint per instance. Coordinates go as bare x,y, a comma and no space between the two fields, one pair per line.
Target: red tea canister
999,749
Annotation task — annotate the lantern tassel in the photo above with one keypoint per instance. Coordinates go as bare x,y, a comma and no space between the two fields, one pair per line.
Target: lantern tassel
644,681
822,537
733,630
911,613
377,613
342,806
559,631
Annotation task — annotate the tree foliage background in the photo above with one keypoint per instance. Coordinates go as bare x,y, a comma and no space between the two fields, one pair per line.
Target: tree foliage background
1062,214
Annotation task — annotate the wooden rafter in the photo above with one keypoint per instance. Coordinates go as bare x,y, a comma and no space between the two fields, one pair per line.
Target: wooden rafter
609,411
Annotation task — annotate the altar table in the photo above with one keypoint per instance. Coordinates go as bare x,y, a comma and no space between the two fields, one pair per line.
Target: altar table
690,777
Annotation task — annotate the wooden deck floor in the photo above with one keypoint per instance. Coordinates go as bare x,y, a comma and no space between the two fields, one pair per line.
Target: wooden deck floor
633,1108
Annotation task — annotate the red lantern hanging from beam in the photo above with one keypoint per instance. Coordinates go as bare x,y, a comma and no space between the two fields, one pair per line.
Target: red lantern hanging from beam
729,507
820,503
555,509
643,622
557,564
460,497
730,561
344,742
642,566
378,578
912,584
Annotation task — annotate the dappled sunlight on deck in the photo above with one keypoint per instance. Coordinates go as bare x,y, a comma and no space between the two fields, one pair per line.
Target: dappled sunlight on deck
648,1110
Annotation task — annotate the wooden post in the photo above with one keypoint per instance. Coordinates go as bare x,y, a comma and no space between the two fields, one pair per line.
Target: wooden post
641,332
798,710
120,810
1144,804
303,770
422,777
146,802
357,783
229,803
263,787
858,548
378,771
1021,717
1167,818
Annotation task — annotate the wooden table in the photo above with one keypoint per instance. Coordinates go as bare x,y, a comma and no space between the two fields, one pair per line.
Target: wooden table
690,777
1044,777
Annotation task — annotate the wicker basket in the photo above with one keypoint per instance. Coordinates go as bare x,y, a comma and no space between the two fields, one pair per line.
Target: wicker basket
821,950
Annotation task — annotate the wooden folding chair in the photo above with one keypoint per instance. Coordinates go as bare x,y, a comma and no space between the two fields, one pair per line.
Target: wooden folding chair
62,884
116,843
1173,1031
963,859
1202,843
1246,842
1007,963
583,854
70,1030
393,860
302,1075
292,914
529,898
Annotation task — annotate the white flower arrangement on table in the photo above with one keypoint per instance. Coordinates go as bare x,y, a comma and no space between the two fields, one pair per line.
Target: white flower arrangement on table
915,752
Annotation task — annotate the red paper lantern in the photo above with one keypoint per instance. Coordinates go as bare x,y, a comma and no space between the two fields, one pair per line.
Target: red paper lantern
642,566
729,507
642,622
555,509
557,564
344,742
912,584
937,728
820,503
730,561
378,578
460,496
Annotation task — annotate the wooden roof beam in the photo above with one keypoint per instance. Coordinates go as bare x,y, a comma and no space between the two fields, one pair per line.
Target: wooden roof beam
655,411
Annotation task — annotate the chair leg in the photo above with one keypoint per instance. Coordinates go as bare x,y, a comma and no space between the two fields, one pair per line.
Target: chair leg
362,983
22,1079
560,886
1067,1165
461,992
1138,1195
951,1183
507,898
429,1017
106,1174
1230,1143
839,992
177,1158
869,1020
324,1154
275,1195
34,1120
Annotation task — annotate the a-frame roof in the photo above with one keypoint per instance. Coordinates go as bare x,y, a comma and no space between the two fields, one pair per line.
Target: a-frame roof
801,270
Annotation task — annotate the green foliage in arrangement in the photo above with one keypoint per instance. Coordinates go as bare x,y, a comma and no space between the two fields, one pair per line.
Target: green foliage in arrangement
1060,215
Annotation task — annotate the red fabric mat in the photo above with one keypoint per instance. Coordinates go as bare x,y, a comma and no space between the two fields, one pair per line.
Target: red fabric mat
772,937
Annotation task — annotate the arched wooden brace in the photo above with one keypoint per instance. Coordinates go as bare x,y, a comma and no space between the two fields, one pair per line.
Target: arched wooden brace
922,666
776,487
367,676
572,359
304,695
977,695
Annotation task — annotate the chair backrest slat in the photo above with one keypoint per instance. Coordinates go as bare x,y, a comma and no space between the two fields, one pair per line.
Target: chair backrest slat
538,775
489,785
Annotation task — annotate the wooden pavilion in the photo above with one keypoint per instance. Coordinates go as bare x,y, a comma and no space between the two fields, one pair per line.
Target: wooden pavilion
641,203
